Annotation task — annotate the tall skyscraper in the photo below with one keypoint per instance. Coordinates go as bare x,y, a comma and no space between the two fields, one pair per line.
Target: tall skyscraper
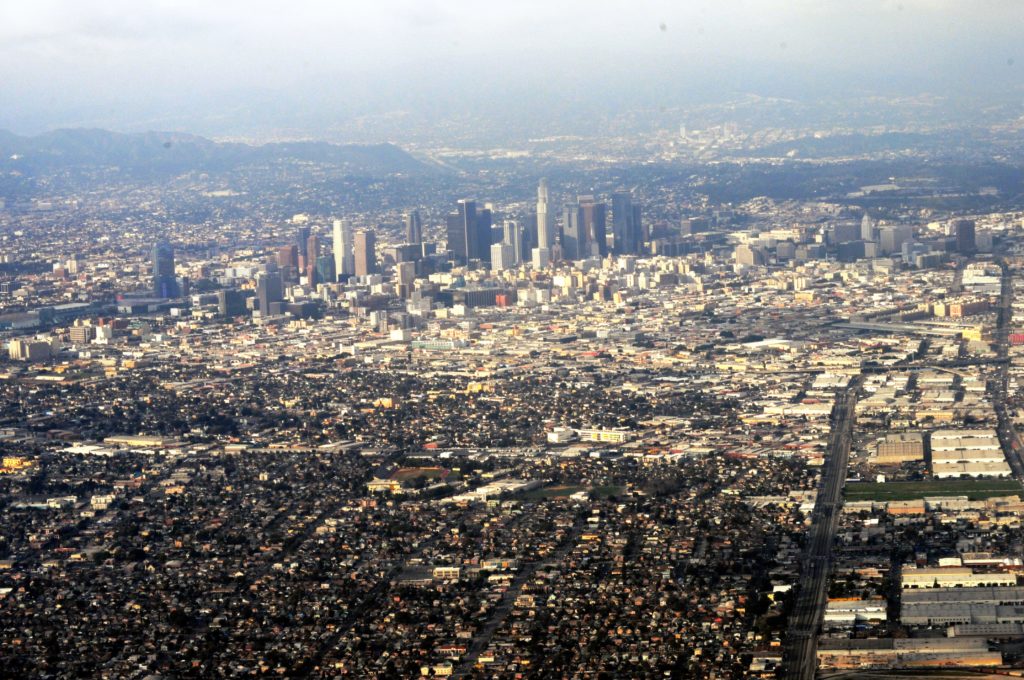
301,242
545,220
583,231
288,257
469,233
165,285
312,254
573,237
344,260
365,253
867,228
324,272
529,234
963,230
269,289
627,232
515,236
485,234
413,228
596,219
456,232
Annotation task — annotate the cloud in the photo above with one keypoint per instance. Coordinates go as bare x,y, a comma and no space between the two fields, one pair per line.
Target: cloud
60,53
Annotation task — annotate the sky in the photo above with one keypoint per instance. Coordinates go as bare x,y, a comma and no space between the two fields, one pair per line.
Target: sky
221,66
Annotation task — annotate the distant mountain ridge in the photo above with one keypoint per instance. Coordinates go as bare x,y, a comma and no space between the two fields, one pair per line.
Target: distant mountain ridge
177,152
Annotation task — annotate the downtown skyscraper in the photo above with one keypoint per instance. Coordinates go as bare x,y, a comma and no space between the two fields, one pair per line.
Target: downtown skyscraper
469,233
545,220
584,229
165,285
344,259
365,253
269,292
627,229
413,228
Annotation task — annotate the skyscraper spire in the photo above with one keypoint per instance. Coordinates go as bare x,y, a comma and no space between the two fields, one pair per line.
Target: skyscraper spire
544,226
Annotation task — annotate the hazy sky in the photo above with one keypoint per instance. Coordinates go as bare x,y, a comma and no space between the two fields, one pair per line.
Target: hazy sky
140,63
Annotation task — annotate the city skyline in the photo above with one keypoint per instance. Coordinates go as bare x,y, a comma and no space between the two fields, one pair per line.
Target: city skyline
437,338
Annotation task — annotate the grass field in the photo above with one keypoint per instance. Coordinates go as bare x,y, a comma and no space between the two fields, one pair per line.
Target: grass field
607,491
974,489
551,492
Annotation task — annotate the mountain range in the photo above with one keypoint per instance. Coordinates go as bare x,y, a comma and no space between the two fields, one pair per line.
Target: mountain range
158,153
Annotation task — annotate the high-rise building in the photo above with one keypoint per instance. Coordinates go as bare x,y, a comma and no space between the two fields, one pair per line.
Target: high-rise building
457,232
892,238
867,228
851,251
81,335
20,349
165,285
545,220
469,232
573,239
750,256
230,302
312,254
529,226
302,243
413,228
344,260
583,230
269,289
485,234
541,258
843,232
963,230
324,270
288,256
365,253
405,273
627,232
515,236
502,257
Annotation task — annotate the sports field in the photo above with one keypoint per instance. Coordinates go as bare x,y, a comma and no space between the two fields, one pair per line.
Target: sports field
974,489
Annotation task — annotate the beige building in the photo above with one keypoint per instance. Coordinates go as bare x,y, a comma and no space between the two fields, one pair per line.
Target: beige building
952,577
906,447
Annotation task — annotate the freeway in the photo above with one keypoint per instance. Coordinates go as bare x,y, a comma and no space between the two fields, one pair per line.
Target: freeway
800,659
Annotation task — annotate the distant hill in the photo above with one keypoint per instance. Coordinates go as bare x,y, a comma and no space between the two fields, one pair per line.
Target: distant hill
157,153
